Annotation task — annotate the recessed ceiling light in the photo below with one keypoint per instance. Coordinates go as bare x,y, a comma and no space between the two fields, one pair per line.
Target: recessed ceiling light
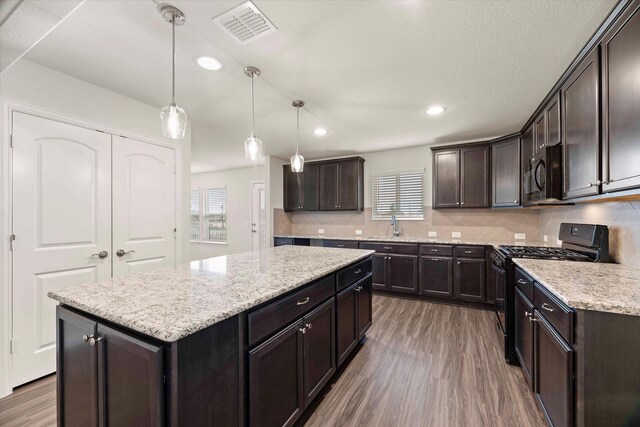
320,132
435,110
209,63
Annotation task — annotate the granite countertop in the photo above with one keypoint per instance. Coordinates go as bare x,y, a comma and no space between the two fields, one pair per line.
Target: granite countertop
405,239
174,302
607,287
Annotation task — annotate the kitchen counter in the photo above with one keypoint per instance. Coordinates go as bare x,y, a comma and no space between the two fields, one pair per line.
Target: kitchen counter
171,303
604,287
418,240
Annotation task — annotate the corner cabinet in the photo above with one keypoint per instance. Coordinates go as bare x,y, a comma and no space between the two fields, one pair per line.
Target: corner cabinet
505,173
461,176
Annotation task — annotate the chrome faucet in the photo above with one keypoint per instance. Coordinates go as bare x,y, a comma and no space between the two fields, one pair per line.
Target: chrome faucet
394,222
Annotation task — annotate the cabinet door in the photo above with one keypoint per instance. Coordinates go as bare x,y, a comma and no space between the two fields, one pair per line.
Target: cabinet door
365,308
505,173
539,133
77,371
552,116
436,276
581,126
469,279
621,102
553,373
346,318
292,190
446,179
402,273
526,156
524,335
474,177
348,184
276,396
328,186
319,349
310,188
131,389
379,272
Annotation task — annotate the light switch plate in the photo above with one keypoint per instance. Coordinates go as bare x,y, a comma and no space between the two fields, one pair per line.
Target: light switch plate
433,234
456,234
545,238
320,230
520,236
358,232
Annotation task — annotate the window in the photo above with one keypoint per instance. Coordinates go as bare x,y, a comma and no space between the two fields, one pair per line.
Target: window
209,215
398,193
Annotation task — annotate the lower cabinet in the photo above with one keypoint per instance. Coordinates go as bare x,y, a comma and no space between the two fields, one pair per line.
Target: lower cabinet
524,335
107,378
470,279
396,273
297,363
436,276
353,317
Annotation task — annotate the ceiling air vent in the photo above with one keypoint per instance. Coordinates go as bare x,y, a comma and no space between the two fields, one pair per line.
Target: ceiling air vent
245,23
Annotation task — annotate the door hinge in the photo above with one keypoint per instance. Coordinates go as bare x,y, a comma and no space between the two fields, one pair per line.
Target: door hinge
11,140
175,231
11,346
11,239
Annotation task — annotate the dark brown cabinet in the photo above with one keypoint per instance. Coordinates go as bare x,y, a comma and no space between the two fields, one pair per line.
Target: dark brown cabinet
341,184
301,189
539,133
379,272
621,102
505,173
436,276
469,279
398,273
353,317
581,129
319,349
461,177
553,121
107,378
524,335
365,308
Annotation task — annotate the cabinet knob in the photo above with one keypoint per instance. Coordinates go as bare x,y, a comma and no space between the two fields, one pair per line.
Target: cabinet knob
458,262
359,289
462,203
303,330
308,326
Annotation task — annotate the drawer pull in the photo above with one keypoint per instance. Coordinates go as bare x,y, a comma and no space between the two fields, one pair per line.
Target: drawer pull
303,302
468,252
522,282
340,246
387,247
546,307
435,250
358,271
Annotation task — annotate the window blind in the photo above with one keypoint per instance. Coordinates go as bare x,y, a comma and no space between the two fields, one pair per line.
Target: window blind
195,215
398,193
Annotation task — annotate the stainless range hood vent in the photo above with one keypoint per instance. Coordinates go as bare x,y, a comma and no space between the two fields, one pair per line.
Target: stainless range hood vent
245,23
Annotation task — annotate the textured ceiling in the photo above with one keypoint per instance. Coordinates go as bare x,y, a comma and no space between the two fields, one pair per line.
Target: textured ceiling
366,69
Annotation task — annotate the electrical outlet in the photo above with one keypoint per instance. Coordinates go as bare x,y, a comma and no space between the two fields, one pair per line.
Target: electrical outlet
545,238
358,232
433,234
456,234
520,236
320,230
559,242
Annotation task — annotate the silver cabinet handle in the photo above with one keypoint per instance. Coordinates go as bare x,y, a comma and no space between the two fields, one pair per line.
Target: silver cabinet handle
121,252
522,282
528,315
462,203
308,325
91,339
468,252
340,246
85,337
547,307
303,330
435,250
101,254
387,247
358,271
359,289
303,302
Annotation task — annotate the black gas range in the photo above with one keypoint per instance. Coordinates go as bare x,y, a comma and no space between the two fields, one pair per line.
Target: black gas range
580,242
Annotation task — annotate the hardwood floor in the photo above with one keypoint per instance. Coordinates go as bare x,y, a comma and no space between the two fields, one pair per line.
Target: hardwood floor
423,365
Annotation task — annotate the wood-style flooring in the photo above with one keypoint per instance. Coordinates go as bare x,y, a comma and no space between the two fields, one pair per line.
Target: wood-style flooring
423,364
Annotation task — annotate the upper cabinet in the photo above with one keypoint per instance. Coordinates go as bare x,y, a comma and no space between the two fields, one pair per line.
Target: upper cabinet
581,129
539,133
461,177
620,49
553,121
505,173
327,185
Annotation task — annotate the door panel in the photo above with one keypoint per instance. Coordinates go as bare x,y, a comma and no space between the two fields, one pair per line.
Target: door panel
319,349
540,133
311,188
402,273
524,335
436,276
446,185
474,177
143,206
552,113
348,185
470,279
61,216
292,189
506,173
379,271
365,308
346,318
329,186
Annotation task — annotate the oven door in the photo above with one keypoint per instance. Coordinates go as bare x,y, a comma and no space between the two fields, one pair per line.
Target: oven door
499,283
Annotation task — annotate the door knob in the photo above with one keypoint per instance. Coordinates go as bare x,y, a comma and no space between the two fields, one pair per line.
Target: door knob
121,252
101,254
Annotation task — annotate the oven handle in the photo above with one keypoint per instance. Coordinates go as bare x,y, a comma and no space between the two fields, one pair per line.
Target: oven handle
535,174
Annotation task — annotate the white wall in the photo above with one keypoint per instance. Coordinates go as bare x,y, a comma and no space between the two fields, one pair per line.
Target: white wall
238,183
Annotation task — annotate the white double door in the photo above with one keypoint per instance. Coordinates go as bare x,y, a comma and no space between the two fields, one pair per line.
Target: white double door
80,198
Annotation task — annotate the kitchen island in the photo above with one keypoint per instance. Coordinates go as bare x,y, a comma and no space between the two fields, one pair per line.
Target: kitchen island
244,339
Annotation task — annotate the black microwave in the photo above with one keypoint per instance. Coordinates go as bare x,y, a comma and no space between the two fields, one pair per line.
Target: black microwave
542,181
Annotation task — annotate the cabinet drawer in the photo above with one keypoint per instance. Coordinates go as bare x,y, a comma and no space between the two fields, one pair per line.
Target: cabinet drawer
340,244
274,316
524,283
436,250
470,251
282,241
391,248
352,274
556,312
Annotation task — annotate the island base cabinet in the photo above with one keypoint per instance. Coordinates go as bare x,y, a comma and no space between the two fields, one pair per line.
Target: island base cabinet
353,317
524,335
319,349
365,307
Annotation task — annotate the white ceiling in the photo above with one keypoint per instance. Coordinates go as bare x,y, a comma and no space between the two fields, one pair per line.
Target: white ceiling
366,69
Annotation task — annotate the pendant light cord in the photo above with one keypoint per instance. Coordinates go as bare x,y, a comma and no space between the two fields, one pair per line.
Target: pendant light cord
297,130
253,113
173,60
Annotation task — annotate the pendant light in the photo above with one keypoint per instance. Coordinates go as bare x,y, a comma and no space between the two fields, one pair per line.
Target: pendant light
297,161
172,117
252,145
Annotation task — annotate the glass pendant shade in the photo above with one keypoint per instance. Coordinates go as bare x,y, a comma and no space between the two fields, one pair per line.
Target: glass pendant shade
297,163
253,148
174,121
